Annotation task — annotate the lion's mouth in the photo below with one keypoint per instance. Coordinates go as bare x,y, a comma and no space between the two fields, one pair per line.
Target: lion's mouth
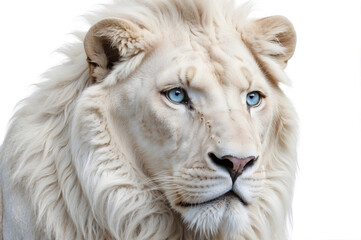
229,194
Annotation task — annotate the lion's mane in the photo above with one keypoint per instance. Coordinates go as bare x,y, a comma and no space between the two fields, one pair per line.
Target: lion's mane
45,137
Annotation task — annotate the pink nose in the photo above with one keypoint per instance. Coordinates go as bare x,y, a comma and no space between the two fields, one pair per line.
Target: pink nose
234,166
238,164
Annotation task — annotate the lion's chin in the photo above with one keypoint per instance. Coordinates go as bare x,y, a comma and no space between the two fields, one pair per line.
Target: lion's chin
224,217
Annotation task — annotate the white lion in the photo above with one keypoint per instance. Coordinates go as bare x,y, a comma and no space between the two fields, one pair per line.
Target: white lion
169,124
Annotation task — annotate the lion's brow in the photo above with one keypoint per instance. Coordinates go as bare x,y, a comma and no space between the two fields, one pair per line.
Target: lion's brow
186,75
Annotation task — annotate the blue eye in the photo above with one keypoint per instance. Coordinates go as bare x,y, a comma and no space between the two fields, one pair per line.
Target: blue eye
176,95
253,99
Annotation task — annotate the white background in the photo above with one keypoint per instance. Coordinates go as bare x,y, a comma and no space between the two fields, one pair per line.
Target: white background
326,91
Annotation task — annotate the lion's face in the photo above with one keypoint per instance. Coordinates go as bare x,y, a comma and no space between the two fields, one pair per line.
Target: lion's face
195,122
196,113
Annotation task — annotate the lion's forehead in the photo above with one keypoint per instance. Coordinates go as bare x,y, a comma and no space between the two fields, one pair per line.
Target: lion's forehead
202,63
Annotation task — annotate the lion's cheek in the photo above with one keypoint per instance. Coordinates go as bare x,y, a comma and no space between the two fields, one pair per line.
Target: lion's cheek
263,122
156,129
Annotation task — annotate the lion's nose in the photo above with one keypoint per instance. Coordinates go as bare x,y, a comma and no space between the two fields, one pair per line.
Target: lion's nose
235,166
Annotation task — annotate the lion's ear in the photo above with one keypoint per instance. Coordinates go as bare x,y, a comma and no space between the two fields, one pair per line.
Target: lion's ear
272,37
110,41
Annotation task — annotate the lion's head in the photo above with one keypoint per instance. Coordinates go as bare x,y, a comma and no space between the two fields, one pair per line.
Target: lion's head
182,130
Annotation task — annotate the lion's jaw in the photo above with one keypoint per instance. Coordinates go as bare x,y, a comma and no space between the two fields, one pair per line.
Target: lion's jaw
173,142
